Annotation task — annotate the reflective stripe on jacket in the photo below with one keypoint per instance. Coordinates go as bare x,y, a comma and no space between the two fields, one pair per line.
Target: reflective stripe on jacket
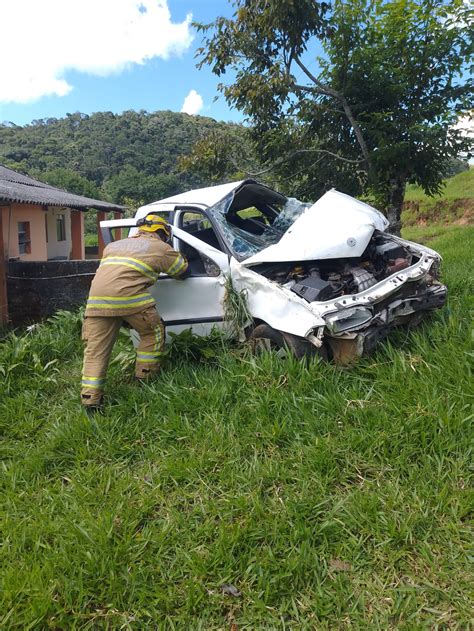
128,268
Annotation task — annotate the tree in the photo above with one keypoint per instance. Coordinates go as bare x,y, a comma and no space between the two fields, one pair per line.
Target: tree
455,166
135,186
70,181
367,90
222,155
101,145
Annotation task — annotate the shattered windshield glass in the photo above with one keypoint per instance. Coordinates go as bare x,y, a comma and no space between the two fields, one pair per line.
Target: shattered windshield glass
244,243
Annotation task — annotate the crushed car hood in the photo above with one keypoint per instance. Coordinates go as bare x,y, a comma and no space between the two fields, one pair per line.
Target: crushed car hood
336,226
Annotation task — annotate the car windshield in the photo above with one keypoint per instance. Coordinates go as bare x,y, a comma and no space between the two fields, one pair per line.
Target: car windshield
253,218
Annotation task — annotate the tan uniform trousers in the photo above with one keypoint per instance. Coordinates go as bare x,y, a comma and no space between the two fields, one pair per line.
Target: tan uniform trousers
99,334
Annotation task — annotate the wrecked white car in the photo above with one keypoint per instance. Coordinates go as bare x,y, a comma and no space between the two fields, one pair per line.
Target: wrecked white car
320,278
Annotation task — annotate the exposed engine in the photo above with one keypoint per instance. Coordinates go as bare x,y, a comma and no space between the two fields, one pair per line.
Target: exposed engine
327,279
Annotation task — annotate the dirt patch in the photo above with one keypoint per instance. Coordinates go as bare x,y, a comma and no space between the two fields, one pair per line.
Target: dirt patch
466,220
458,211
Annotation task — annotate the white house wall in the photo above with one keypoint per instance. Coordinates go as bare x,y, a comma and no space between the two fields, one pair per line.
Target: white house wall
58,248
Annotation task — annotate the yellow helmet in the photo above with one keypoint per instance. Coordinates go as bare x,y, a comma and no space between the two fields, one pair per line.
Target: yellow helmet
153,223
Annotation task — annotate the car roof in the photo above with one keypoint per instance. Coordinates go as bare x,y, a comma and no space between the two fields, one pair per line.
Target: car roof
200,196
245,191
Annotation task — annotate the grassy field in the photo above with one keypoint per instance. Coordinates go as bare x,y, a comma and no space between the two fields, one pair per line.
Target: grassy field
329,498
460,186
456,203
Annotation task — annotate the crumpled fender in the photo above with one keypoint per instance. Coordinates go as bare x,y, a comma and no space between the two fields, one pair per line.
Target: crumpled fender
270,302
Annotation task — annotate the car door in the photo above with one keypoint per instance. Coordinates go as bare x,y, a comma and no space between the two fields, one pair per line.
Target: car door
197,301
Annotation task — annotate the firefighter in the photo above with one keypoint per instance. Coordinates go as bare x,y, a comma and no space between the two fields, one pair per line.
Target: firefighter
119,293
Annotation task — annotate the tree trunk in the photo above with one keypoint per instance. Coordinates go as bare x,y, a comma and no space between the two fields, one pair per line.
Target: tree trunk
394,210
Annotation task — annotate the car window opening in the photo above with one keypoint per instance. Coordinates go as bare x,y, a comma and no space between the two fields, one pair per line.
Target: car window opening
199,226
254,217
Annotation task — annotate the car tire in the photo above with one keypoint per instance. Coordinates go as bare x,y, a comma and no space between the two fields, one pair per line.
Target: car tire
264,338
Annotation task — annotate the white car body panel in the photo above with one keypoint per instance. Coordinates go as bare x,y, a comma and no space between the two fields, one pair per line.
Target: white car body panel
198,299
117,223
202,196
274,304
336,226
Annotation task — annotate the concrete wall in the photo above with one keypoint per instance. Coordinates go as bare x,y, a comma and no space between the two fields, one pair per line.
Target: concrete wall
33,214
39,289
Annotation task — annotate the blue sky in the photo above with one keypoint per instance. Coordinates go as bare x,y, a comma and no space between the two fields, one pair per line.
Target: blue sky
106,55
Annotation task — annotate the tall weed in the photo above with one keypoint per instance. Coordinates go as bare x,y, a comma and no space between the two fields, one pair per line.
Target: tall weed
39,352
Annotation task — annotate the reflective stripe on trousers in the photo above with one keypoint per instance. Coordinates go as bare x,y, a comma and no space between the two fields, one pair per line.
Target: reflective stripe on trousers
120,302
99,334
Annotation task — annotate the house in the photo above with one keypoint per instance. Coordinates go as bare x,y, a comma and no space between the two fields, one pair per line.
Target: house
41,223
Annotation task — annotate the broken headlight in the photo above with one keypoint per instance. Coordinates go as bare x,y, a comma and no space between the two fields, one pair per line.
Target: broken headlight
348,319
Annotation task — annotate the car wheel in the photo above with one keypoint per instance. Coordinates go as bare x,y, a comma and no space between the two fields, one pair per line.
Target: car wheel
264,338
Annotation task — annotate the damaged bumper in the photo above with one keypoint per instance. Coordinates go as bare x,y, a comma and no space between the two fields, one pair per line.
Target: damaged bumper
350,324
355,331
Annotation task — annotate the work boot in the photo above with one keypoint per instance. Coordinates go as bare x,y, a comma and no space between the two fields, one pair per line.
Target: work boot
92,406
146,375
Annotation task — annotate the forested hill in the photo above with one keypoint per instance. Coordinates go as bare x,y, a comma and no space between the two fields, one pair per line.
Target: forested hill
123,157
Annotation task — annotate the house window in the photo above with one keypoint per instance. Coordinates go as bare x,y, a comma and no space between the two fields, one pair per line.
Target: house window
61,227
24,241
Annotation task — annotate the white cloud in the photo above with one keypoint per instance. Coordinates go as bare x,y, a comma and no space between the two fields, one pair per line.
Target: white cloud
465,124
42,39
192,103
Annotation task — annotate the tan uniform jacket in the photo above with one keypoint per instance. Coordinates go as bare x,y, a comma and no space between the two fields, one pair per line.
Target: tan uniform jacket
128,268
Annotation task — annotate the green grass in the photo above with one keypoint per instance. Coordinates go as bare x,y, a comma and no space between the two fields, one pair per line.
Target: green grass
460,186
332,499
91,239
